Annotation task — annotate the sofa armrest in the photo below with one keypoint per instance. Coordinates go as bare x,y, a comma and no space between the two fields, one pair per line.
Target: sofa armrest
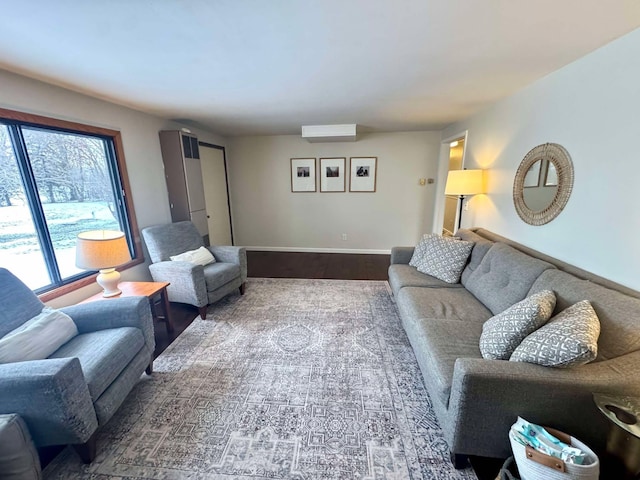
490,394
114,313
401,254
229,254
187,281
52,397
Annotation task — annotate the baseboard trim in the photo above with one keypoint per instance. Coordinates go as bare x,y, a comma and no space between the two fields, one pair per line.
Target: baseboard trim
320,250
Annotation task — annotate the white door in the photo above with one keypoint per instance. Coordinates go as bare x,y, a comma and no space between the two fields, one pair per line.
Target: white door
215,195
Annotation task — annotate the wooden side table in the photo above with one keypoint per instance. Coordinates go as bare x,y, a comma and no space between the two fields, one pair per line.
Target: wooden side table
143,289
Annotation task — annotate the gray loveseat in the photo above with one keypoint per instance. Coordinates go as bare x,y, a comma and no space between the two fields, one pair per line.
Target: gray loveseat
64,398
477,400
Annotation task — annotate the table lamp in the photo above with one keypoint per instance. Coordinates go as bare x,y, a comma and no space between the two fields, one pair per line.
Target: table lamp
103,250
464,182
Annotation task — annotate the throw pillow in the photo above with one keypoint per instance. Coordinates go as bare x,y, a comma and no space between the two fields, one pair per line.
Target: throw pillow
37,338
201,256
419,253
567,340
502,333
441,257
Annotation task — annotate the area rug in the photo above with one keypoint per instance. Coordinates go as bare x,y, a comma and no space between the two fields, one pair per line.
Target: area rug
297,379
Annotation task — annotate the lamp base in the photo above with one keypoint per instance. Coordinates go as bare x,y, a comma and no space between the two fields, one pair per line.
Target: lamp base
108,279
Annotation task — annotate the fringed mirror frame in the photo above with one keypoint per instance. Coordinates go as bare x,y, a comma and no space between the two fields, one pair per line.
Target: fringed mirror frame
560,158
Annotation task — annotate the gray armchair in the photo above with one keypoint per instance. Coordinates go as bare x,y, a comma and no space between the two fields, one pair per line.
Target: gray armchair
63,399
189,283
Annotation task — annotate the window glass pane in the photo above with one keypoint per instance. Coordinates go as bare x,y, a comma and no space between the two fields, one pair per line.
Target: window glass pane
20,250
72,175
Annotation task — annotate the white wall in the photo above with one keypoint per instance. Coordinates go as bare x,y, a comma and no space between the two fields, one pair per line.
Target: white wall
592,108
267,214
140,140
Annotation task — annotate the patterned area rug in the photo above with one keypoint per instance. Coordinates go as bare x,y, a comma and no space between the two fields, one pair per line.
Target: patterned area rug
297,379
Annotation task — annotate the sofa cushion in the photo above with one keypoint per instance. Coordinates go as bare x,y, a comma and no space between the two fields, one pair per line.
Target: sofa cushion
403,275
617,312
504,277
502,333
103,355
480,248
218,274
38,337
437,345
441,303
569,339
441,257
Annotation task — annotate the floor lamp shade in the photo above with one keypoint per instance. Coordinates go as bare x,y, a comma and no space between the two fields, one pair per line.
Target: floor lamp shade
103,250
464,182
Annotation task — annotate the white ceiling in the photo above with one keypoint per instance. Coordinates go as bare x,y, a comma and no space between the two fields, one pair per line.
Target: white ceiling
243,67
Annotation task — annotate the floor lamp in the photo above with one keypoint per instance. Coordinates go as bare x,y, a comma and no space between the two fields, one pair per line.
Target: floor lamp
463,183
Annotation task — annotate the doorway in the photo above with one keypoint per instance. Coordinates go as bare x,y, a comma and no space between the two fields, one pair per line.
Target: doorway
216,193
451,210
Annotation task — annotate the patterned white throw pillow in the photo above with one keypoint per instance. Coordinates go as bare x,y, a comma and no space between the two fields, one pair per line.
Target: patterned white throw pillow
502,333
569,339
441,257
201,256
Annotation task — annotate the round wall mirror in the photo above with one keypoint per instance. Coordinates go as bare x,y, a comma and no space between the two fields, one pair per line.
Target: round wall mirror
543,183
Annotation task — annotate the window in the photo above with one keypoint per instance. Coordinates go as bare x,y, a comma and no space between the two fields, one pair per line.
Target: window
57,179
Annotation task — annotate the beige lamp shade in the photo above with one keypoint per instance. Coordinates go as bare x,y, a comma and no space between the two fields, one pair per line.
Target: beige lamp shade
100,249
465,182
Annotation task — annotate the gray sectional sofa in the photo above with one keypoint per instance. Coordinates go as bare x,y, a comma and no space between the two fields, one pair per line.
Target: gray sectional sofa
476,400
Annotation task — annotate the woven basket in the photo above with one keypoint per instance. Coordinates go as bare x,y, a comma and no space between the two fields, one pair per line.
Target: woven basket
534,465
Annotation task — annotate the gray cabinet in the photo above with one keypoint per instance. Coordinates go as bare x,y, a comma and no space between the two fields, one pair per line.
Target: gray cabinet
182,171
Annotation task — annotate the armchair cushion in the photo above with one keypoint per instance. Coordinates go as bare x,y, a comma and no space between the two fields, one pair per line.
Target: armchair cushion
163,241
103,355
38,337
218,274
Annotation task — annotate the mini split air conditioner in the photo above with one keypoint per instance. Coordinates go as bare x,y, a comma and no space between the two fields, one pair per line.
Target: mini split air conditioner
329,133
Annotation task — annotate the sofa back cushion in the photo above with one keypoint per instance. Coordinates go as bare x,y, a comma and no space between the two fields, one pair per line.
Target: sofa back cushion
504,277
617,312
480,247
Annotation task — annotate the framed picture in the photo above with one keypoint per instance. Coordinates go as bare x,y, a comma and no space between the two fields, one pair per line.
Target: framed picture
332,174
551,175
363,174
303,174
532,177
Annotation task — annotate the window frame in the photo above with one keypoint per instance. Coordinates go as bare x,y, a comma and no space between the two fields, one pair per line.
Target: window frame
33,120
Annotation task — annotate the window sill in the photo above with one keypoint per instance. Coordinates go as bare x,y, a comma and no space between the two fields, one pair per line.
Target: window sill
71,287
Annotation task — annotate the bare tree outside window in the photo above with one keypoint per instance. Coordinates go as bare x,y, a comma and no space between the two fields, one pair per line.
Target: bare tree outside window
75,191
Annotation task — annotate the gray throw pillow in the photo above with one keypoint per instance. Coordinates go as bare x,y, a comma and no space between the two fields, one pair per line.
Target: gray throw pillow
441,257
502,333
567,340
